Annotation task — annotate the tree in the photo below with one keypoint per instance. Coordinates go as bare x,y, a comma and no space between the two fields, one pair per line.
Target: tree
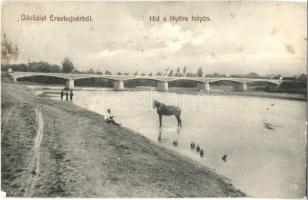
252,75
302,77
108,72
143,74
189,74
55,68
150,74
32,67
67,65
170,73
184,70
221,75
158,74
177,72
136,74
90,71
199,72
39,67
8,50
119,73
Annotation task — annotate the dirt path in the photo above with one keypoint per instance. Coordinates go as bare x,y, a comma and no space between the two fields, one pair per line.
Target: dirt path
35,163
38,139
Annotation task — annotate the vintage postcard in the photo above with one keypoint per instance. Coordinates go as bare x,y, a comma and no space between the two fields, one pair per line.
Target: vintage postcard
153,99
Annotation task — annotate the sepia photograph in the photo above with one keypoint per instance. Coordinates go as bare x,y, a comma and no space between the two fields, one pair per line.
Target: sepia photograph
154,99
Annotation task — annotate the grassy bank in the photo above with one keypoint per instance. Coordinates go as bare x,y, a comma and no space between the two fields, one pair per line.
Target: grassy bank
82,156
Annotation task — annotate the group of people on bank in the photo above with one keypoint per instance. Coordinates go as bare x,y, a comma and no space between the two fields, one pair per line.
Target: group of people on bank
67,94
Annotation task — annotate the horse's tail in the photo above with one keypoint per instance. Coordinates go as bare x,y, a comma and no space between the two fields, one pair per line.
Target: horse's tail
179,111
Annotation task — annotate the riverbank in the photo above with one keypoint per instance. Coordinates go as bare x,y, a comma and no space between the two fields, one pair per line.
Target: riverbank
50,148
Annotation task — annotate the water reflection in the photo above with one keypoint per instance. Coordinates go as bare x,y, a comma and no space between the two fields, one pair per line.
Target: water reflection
159,135
175,138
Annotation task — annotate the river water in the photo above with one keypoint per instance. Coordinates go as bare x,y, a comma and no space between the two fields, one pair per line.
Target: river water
264,139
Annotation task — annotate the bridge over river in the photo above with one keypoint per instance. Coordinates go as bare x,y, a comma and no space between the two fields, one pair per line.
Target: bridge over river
239,84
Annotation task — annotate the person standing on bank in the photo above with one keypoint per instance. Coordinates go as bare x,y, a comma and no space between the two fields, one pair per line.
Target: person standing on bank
66,96
109,118
62,94
71,95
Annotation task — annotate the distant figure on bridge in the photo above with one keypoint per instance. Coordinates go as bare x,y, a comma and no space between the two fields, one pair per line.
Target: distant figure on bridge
109,118
66,96
62,94
71,95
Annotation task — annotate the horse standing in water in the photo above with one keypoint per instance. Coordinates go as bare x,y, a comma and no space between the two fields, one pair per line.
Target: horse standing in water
163,109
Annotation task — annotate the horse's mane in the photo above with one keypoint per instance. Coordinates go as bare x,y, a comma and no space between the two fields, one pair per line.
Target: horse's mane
158,104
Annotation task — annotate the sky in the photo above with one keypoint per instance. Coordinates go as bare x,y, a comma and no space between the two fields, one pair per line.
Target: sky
241,37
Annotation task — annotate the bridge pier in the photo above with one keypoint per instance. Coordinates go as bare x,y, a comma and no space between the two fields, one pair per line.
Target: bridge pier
242,87
10,73
14,78
118,85
204,86
163,86
69,84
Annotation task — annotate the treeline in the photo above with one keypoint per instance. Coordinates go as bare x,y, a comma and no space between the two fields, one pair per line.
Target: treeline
67,67
33,67
199,73
295,86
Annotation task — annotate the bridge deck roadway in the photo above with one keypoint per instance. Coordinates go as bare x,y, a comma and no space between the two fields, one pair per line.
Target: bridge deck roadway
65,76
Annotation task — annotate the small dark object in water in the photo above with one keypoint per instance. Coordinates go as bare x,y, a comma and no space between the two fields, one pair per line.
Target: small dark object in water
192,145
159,137
201,153
198,149
175,143
272,104
224,158
269,126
